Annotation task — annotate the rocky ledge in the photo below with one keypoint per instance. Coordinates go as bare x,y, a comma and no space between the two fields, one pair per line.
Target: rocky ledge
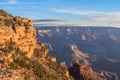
21,56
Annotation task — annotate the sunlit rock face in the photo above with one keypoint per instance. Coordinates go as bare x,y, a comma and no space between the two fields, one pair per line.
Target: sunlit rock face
78,55
84,72
19,30
21,56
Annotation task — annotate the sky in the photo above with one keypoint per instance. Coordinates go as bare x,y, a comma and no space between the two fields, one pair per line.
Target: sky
66,12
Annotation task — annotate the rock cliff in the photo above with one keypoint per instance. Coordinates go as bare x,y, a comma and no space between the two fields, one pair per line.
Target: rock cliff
21,56
84,72
20,30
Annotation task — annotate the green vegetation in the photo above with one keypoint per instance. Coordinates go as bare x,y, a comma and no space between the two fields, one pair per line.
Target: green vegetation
34,65
38,52
5,14
1,19
8,22
40,72
11,57
9,46
58,73
59,70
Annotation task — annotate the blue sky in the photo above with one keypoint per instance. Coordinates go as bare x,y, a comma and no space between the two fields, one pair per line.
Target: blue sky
67,12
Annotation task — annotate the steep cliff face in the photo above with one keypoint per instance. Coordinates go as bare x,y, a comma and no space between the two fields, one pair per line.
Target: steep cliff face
84,72
21,56
20,30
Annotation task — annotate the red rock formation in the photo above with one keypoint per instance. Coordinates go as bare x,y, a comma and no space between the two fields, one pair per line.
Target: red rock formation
84,72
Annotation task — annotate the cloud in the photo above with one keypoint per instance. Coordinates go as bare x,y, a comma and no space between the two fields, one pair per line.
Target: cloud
93,17
49,20
16,2
83,12
10,2
76,12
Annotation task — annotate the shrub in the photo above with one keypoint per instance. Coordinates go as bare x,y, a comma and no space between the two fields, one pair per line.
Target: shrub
7,22
10,46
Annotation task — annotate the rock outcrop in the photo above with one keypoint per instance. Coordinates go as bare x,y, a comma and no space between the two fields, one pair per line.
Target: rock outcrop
20,30
21,56
84,72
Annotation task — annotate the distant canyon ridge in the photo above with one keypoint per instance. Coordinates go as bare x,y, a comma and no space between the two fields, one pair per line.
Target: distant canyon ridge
96,46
